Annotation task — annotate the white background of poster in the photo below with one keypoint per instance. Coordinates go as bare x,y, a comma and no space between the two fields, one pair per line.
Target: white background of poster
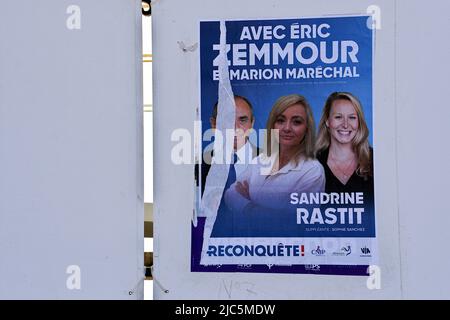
71,190
410,116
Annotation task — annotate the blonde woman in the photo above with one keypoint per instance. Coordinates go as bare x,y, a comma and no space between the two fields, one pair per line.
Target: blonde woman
343,147
294,167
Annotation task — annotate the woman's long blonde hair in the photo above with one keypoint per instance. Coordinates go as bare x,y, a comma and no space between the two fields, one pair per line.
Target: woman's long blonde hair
306,147
360,142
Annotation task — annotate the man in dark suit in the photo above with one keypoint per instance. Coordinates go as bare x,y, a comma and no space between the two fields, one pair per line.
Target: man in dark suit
244,152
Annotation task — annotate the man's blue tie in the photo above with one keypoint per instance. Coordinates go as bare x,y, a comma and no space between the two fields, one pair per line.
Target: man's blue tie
231,174
223,226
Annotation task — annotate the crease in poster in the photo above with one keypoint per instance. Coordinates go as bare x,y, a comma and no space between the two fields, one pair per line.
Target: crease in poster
291,175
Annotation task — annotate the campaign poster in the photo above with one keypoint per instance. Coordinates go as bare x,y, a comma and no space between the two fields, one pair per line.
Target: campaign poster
313,212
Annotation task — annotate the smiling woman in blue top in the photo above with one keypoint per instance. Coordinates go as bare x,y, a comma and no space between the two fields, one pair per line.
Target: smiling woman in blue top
265,187
343,147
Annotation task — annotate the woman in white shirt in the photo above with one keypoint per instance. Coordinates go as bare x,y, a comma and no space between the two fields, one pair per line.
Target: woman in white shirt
264,189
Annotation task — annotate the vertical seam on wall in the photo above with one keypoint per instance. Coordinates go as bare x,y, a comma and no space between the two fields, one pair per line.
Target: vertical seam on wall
397,142
139,147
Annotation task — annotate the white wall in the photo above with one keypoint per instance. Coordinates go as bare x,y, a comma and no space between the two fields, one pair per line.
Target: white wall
179,70
410,163
422,72
71,190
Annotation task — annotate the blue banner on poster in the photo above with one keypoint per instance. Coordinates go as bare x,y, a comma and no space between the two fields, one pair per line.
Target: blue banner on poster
299,197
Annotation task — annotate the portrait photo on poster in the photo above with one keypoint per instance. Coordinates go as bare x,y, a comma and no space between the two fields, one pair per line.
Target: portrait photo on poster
285,180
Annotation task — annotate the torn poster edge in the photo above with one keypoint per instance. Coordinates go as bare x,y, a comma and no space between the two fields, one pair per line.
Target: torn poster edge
226,111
